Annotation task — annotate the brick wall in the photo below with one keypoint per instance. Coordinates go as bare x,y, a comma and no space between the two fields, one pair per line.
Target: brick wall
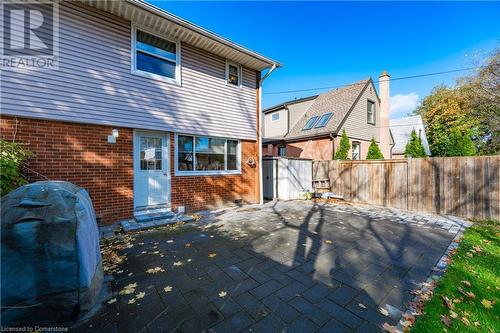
316,149
80,154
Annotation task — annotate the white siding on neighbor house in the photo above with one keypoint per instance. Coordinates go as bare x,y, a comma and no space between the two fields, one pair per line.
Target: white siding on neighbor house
94,84
356,124
275,128
297,111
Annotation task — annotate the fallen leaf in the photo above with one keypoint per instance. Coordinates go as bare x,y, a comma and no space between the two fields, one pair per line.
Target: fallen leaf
453,314
111,301
178,263
447,302
362,306
487,304
383,311
129,289
222,294
167,289
328,241
212,255
465,321
446,320
389,328
467,283
131,301
155,270
140,295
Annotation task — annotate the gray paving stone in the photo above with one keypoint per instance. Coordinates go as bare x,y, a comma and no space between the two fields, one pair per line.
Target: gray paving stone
334,326
310,311
301,325
341,314
235,323
266,289
290,291
343,295
281,309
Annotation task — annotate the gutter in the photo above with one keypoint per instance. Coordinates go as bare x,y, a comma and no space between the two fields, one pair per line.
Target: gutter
261,180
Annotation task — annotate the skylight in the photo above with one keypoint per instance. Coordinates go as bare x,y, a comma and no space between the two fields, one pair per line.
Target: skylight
324,120
310,123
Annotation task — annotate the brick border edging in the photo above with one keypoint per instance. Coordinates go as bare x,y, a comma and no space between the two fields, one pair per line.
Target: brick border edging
432,280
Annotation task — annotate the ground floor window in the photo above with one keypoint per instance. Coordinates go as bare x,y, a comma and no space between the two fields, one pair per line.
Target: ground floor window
282,151
356,151
206,155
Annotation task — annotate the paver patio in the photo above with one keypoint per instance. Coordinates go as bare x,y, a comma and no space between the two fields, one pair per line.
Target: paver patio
291,266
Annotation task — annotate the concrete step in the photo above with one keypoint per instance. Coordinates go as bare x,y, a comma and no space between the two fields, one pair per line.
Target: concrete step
164,215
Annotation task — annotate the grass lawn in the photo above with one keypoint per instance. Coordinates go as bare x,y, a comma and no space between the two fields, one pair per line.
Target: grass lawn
466,299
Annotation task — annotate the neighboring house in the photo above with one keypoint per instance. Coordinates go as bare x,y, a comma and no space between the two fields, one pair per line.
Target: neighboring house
311,127
401,131
146,110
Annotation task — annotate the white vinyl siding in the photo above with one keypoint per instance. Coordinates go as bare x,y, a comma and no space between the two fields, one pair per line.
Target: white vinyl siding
356,124
94,84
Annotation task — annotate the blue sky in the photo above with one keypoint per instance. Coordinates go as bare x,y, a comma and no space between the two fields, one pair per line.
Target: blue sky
332,43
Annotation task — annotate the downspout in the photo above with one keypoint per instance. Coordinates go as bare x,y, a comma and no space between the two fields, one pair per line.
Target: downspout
261,185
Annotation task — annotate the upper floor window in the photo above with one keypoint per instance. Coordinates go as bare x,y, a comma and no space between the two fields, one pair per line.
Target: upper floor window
275,116
233,74
155,56
370,113
310,123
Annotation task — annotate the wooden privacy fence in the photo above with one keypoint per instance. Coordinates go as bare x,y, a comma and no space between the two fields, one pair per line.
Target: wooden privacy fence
460,186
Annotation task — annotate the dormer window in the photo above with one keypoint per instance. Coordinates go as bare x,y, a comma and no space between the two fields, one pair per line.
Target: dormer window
233,74
155,56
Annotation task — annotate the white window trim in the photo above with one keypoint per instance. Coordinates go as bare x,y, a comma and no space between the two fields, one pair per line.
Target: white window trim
206,172
240,74
272,114
133,62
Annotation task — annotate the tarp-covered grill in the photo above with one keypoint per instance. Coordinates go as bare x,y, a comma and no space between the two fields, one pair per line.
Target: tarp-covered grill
51,261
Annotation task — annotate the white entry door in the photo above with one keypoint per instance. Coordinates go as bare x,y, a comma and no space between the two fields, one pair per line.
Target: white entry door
151,169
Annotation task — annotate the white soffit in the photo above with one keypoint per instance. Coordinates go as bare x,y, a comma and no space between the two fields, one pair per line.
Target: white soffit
144,14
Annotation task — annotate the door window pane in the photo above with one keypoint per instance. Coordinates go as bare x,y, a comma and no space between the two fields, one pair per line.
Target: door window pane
209,153
151,153
232,155
185,153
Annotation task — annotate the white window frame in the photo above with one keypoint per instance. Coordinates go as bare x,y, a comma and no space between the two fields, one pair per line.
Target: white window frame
275,113
240,74
177,172
374,112
133,63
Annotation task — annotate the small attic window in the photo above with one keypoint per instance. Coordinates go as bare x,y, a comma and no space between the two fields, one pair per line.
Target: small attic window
310,123
324,120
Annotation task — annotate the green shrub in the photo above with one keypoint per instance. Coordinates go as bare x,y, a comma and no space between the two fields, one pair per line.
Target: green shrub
414,147
13,155
344,147
374,152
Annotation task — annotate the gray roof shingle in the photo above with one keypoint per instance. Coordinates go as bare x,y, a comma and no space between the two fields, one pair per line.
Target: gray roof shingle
338,101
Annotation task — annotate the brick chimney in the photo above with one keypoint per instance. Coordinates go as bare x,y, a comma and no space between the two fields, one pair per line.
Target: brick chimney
385,135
